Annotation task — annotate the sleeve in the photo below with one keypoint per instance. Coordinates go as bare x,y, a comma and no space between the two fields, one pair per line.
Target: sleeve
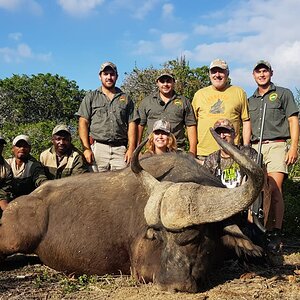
38,174
6,187
142,112
79,166
289,103
85,108
133,115
190,118
208,164
244,107
195,105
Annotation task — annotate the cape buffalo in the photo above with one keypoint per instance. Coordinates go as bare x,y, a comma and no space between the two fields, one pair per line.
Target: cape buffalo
128,221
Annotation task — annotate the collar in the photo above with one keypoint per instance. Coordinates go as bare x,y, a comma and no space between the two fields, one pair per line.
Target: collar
271,89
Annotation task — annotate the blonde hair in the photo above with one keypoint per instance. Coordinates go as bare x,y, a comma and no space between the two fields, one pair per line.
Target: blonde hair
171,145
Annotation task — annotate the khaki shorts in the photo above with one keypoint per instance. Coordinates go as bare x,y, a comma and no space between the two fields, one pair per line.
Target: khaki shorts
108,158
274,156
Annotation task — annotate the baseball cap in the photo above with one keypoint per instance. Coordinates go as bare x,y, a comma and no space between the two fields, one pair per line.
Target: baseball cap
165,74
264,63
21,137
2,140
224,123
61,127
106,65
161,125
218,63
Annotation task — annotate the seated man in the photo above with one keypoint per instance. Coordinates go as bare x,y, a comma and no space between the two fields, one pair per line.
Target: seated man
5,178
28,173
228,171
62,159
220,163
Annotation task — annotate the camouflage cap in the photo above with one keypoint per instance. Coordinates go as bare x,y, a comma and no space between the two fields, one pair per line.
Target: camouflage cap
263,63
61,127
21,137
162,125
165,74
219,63
108,64
224,123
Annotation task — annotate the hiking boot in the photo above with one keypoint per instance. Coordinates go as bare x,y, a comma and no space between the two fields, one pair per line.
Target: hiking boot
274,241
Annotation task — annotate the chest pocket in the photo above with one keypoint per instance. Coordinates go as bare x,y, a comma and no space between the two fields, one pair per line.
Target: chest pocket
99,109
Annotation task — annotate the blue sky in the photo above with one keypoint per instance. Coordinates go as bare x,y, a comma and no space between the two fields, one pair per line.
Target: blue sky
73,37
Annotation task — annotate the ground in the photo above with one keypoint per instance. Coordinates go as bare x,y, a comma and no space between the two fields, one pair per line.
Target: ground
24,277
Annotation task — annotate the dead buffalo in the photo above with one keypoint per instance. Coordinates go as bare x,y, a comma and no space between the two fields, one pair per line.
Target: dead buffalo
128,221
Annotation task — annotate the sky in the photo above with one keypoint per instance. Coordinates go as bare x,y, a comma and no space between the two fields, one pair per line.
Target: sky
72,38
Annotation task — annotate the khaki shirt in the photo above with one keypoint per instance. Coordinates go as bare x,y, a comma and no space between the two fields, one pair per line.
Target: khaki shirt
71,164
26,178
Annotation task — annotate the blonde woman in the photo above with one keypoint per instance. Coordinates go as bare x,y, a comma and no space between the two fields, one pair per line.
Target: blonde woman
161,140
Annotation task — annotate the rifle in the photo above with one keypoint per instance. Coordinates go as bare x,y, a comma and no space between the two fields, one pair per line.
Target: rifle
256,207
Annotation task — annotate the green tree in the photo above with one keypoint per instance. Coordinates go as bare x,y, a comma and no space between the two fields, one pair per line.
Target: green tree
141,82
30,99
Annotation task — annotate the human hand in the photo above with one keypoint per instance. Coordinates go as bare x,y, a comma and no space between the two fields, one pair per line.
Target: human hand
89,156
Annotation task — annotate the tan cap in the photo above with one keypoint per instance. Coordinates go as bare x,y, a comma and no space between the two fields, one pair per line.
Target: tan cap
224,123
21,137
264,63
218,63
61,127
165,74
162,125
108,64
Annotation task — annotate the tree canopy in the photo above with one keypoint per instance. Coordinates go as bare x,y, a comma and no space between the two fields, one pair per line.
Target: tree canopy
142,82
36,98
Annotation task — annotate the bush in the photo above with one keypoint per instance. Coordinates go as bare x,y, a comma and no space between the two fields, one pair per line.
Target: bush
291,191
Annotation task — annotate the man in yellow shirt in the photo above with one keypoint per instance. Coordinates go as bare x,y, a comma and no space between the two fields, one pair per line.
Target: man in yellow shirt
220,100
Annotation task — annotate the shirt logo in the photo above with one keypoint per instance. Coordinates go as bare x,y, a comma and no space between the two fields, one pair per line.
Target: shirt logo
273,97
178,102
217,108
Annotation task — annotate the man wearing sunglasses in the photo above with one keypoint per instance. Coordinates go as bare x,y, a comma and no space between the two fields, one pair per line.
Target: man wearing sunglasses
220,163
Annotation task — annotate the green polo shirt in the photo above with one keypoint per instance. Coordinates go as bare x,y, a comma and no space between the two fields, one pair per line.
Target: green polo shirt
108,119
280,106
178,111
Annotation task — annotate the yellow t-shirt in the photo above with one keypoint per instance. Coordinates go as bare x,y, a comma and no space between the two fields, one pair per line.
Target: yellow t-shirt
210,105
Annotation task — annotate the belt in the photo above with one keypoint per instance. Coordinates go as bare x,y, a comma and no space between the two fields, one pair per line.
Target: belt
270,141
112,144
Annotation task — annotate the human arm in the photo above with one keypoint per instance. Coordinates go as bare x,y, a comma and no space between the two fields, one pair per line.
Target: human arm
79,165
140,133
83,131
292,153
192,137
132,137
246,132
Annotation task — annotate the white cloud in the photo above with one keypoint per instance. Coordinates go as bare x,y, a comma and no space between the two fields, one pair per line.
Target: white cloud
29,5
144,48
144,7
253,30
79,7
167,11
16,36
173,40
21,53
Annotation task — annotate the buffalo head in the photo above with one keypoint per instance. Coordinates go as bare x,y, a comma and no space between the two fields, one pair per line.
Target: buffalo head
186,218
